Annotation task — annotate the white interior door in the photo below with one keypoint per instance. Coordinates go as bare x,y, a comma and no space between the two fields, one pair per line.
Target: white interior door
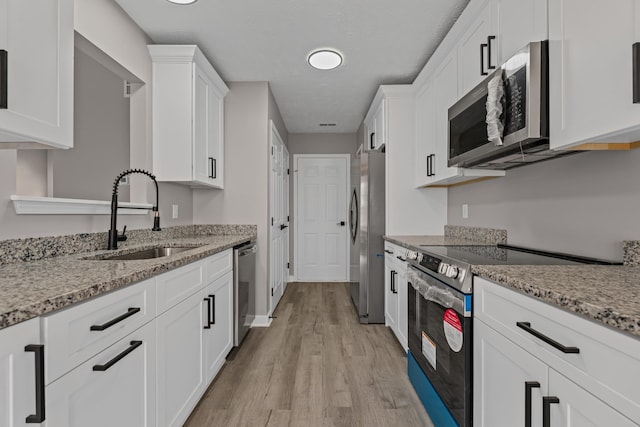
279,232
321,218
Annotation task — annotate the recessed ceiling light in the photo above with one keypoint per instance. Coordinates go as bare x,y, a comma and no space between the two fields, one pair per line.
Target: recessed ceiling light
182,1
325,59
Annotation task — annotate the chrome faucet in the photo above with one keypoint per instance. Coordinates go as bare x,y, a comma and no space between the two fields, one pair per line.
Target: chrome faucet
113,237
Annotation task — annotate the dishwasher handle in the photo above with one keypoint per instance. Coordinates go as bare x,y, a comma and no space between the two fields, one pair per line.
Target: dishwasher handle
248,251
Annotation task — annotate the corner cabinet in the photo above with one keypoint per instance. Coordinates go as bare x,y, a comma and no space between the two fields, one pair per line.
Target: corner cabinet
188,117
587,376
36,74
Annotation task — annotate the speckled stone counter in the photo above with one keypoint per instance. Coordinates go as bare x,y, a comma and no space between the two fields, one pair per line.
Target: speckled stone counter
31,289
607,294
414,242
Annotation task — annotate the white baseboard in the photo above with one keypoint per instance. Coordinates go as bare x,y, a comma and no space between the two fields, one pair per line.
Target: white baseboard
261,322
292,279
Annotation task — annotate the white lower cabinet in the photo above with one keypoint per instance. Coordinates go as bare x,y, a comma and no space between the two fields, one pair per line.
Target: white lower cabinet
390,295
396,293
17,373
114,388
402,287
219,336
536,365
180,360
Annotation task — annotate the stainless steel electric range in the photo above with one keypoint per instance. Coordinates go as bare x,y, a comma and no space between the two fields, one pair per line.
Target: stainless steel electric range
440,321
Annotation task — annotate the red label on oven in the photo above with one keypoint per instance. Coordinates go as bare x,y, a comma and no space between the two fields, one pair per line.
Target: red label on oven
453,330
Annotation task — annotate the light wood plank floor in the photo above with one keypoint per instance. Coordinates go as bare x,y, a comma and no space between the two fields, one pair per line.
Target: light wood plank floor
315,366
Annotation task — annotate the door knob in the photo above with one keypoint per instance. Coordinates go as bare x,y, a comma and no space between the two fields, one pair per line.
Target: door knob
342,223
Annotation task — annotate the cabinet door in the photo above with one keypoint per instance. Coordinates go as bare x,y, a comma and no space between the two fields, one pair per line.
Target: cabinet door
17,373
219,337
501,370
180,360
590,61
512,31
579,408
446,90
390,298
202,170
215,138
425,143
38,38
473,51
121,395
380,126
402,287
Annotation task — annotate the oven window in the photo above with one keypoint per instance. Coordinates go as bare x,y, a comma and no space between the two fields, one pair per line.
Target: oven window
468,130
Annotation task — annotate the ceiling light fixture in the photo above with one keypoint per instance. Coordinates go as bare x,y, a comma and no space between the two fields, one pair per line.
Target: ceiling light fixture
324,59
182,1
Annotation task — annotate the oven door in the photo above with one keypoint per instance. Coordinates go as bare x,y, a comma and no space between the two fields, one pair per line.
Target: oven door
440,339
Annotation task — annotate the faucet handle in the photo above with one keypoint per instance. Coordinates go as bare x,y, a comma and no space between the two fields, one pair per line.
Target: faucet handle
122,237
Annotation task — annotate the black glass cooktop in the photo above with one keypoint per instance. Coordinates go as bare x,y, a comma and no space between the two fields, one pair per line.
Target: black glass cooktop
509,255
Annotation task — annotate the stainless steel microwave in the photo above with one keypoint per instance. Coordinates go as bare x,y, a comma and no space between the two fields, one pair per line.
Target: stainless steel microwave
519,91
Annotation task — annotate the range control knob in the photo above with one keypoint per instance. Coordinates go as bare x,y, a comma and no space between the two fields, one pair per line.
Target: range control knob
412,255
443,268
452,272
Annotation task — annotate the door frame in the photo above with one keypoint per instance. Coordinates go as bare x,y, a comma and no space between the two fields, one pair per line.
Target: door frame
347,159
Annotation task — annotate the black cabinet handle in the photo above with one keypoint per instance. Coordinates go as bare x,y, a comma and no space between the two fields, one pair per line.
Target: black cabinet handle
208,325
482,48
371,143
4,66
527,327
39,416
130,312
132,346
394,286
401,259
432,170
528,385
636,73
489,66
546,409
213,311
282,226
388,251
213,168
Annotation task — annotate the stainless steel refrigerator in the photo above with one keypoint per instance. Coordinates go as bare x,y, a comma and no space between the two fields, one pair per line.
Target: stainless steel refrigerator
366,221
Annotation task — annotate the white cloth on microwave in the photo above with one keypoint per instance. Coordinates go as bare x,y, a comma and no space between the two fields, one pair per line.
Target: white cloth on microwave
495,93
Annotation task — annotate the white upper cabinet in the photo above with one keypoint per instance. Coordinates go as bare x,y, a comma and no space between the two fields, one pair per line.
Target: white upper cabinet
188,117
474,49
376,125
590,73
425,144
36,73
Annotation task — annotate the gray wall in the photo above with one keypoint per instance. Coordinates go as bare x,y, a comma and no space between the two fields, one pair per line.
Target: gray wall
584,204
315,143
101,135
245,199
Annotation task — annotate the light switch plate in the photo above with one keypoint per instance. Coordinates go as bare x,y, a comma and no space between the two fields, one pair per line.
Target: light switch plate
465,211
174,211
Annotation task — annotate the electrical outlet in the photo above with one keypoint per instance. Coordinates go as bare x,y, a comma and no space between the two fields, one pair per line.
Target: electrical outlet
465,211
174,211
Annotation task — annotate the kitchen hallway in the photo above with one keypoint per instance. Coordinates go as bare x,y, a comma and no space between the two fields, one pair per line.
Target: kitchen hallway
314,366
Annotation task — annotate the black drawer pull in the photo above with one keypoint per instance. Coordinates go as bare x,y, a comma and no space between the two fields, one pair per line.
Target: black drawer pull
4,65
213,305
528,385
400,258
132,346
39,416
635,55
546,409
388,251
130,312
527,327
208,325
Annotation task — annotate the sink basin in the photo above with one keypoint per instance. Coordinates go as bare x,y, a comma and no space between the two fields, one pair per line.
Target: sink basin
147,253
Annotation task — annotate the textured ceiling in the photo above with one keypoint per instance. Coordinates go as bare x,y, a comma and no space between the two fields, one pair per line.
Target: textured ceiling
383,42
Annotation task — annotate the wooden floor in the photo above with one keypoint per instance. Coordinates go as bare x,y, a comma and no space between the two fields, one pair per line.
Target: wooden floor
314,366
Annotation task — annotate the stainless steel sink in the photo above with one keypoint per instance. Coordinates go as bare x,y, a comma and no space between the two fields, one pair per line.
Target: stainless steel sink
147,253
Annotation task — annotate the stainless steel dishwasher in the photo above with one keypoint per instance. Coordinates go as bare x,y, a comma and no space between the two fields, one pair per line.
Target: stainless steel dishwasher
244,278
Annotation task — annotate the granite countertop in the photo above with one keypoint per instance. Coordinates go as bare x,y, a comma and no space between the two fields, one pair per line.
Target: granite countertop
607,294
31,289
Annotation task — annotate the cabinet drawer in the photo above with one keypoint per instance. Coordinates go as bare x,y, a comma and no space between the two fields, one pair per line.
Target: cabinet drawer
219,264
114,388
73,335
177,285
607,361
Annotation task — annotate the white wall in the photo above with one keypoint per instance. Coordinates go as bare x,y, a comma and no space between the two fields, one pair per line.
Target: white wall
245,199
105,25
585,204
